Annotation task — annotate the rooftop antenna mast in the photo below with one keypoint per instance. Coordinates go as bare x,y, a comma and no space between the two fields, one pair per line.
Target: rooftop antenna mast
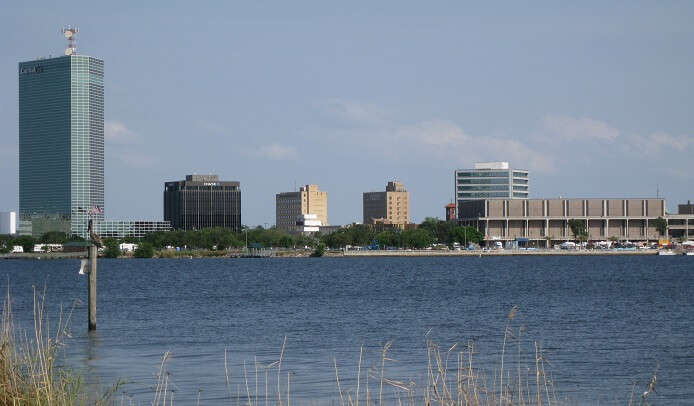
69,33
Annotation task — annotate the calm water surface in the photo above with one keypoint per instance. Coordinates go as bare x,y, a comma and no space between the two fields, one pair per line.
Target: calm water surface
605,323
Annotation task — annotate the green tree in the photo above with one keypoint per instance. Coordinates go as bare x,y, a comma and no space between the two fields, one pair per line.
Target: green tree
144,250
27,242
6,243
578,229
432,225
388,238
465,234
54,237
416,238
319,251
111,249
660,225
286,241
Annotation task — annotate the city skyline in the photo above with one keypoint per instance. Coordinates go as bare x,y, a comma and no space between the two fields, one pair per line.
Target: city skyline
384,92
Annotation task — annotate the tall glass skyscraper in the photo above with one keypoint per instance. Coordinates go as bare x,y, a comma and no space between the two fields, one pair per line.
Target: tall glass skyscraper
61,144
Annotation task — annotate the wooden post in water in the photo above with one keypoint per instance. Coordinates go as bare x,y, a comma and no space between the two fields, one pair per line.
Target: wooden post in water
91,293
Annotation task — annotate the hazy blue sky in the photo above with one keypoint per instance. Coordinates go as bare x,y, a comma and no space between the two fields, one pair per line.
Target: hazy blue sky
595,98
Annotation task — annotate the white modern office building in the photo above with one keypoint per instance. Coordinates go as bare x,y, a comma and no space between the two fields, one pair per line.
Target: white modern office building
490,180
8,223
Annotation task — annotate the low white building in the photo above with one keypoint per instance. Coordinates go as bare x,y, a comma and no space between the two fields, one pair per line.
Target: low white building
8,222
127,247
308,223
48,247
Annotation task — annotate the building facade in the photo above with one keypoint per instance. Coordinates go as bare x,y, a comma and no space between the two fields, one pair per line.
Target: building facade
61,144
308,223
135,229
490,180
685,208
389,207
450,212
290,206
545,221
8,223
202,201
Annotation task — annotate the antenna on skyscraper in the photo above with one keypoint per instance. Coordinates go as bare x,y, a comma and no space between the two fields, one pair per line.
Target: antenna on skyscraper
69,33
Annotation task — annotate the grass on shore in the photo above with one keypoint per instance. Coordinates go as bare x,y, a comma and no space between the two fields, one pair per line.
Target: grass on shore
28,371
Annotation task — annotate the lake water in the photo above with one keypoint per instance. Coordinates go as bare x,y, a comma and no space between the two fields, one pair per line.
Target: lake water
604,323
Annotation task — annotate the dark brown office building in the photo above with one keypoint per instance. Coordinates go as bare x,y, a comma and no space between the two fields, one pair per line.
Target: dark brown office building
685,208
202,201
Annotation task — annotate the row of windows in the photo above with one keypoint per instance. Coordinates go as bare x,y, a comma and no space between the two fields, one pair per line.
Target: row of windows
483,174
490,181
494,188
481,195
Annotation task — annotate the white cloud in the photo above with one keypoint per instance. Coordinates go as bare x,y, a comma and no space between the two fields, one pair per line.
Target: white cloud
138,160
567,128
445,141
434,132
351,112
118,133
277,152
663,139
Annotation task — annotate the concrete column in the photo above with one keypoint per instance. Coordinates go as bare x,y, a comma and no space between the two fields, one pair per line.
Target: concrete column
624,207
527,232
626,228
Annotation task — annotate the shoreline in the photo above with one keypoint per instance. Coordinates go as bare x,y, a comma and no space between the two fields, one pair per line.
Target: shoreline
356,254
490,253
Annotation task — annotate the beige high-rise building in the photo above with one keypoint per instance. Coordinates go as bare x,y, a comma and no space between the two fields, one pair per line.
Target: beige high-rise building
390,207
308,200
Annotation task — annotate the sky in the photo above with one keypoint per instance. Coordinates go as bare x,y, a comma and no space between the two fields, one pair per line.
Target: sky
595,99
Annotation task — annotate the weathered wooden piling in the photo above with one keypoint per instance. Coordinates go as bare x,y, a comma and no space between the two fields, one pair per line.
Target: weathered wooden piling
91,292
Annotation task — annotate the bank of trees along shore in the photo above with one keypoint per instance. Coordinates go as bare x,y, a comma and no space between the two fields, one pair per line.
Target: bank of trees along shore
431,231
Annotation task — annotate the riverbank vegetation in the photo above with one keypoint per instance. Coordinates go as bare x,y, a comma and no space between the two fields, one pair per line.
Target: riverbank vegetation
28,371
431,231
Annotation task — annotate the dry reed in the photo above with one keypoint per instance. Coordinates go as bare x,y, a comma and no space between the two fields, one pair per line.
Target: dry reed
28,371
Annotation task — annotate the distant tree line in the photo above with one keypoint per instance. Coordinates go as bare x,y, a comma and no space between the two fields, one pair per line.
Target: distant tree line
27,242
431,231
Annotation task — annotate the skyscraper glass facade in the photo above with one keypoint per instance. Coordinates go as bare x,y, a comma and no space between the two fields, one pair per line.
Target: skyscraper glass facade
61,144
490,180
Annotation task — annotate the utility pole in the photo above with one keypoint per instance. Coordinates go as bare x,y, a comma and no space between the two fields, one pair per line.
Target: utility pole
91,292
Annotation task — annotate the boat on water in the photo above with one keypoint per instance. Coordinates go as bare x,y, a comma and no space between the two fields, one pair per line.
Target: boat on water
689,253
666,252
